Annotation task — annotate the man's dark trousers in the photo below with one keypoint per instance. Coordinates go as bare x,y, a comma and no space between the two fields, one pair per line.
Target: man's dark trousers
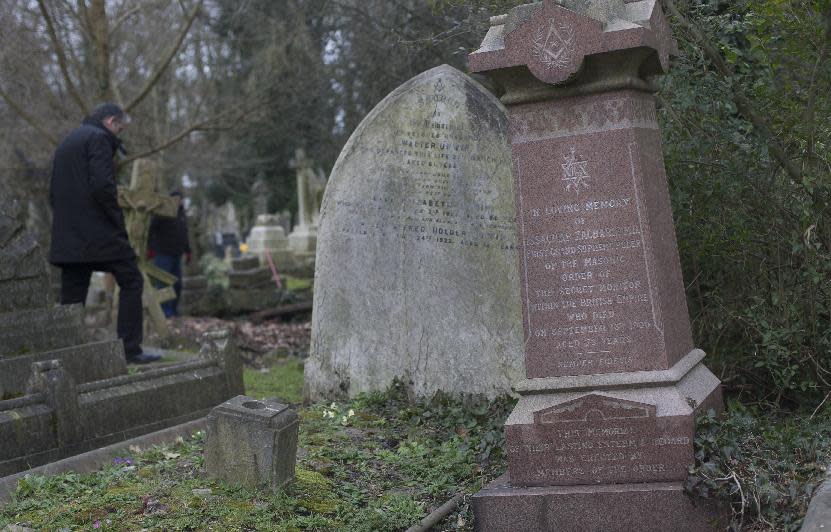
75,284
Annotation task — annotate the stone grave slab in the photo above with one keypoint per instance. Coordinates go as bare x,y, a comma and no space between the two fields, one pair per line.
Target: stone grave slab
613,381
44,329
416,254
61,395
245,263
253,278
85,363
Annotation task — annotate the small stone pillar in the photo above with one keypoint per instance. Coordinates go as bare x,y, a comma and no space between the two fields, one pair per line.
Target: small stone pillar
253,443
602,436
219,345
59,393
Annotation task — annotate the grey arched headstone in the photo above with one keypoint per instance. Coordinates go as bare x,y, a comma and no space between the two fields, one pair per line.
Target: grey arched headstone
416,274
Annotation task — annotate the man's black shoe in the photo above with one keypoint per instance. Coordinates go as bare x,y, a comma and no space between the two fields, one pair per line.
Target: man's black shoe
143,358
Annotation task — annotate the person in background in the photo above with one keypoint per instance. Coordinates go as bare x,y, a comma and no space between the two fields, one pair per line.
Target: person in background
88,232
167,242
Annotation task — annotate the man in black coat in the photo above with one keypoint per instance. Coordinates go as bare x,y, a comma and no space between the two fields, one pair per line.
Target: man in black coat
88,232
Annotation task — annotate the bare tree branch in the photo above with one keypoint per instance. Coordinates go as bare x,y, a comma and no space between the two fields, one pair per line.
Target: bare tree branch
231,118
28,118
199,126
123,18
743,104
59,52
157,74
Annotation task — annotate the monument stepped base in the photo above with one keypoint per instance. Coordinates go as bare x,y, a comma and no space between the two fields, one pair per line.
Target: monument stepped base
657,507
615,428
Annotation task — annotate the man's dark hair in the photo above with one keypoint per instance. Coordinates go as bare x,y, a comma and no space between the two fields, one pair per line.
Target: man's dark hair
106,110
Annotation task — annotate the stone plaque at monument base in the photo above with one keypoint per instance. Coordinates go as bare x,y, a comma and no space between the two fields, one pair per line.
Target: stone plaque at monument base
614,383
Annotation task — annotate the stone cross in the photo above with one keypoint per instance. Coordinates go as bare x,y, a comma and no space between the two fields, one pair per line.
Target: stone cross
613,380
303,164
259,193
140,203
310,187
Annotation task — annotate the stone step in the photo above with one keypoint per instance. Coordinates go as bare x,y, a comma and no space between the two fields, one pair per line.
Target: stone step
197,282
35,331
245,263
250,278
85,363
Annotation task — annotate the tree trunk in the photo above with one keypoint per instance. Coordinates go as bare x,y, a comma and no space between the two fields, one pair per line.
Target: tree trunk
100,32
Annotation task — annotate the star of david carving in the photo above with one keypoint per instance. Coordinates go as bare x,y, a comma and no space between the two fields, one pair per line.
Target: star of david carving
575,172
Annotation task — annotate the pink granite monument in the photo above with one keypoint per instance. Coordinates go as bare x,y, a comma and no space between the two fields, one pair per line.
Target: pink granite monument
602,436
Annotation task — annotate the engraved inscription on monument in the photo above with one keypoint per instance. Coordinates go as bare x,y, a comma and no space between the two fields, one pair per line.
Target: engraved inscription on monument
599,439
590,299
448,196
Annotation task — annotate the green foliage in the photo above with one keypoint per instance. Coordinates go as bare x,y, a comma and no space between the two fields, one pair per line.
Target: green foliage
755,243
215,270
767,464
374,463
295,284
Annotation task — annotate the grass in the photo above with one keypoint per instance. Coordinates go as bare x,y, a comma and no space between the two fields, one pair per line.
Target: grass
284,381
377,462
381,462
295,284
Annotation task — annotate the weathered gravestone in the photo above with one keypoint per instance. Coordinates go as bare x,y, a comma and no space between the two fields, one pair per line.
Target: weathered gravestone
416,259
62,395
604,427
253,443
28,322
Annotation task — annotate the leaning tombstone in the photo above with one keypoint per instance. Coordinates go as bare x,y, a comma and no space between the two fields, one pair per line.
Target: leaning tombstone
416,253
252,443
602,436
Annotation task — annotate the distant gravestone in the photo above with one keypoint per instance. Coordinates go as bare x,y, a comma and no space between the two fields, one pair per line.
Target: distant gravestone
303,238
416,257
267,238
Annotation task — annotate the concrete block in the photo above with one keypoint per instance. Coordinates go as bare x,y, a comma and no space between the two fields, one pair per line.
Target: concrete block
253,443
